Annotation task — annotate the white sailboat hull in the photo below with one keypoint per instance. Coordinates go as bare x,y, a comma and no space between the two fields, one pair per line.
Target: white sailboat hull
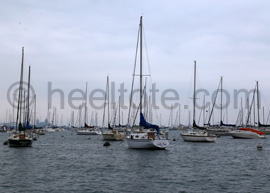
198,137
87,132
49,130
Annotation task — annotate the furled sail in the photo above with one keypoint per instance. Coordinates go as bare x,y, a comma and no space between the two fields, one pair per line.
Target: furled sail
147,125
197,126
86,126
262,125
109,127
228,125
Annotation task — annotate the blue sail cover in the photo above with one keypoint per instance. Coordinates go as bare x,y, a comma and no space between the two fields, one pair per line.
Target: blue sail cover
147,125
28,125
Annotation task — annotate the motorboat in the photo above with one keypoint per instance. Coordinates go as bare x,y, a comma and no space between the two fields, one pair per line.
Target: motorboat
247,133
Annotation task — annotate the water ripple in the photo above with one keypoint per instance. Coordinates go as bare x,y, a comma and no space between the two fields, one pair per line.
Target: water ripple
61,162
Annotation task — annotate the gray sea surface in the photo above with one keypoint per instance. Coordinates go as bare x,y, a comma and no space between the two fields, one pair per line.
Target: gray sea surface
66,162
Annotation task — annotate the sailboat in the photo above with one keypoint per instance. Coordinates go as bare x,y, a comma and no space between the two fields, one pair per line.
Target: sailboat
112,134
149,135
50,129
22,137
222,129
261,127
87,130
35,133
197,134
246,132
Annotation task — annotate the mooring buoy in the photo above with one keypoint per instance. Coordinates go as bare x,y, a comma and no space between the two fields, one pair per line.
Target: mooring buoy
259,147
106,144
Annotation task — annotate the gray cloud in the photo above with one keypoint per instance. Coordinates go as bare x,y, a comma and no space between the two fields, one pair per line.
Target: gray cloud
70,43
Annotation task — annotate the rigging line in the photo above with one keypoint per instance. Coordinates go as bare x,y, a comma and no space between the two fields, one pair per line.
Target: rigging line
213,105
132,85
201,113
115,113
262,96
144,90
249,112
145,98
246,107
103,120
133,109
148,62
267,120
147,57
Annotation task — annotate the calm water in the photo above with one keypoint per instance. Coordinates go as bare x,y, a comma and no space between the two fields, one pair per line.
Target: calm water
66,162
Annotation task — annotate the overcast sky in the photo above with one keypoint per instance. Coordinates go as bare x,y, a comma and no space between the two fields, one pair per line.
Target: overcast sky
69,43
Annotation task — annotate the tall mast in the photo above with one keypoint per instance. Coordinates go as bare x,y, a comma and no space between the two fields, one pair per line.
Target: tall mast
19,114
35,111
242,114
119,112
254,111
72,116
221,78
24,108
48,115
28,95
179,115
96,118
80,113
203,109
85,110
263,116
194,94
13,111
108,86
258,102
149,110
141,65
248,111
104,110
250,108
53,115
